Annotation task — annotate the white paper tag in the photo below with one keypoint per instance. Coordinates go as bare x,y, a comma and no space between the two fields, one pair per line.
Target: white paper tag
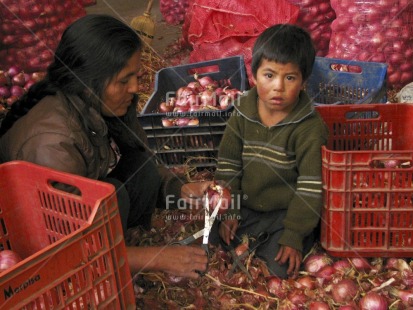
406,94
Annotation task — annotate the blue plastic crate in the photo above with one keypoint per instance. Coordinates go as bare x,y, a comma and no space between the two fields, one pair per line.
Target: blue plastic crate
173,146
339,81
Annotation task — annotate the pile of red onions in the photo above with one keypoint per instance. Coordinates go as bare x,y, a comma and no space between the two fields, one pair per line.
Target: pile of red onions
173,11
316,16
324,282
30,30
14,82
201,94
378,31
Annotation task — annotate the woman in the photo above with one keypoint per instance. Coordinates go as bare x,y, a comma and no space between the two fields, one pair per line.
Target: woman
81,119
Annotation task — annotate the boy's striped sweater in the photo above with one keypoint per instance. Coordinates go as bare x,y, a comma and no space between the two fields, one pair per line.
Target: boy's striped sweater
276,167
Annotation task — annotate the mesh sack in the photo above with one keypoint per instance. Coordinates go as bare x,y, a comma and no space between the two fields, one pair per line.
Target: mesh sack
227,28
379,31
173,11
316,17
31,30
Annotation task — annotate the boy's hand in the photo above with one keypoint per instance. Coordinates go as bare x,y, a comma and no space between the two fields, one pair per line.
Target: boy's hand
227,230
293,256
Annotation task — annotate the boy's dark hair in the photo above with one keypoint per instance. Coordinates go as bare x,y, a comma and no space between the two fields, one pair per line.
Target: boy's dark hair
284,43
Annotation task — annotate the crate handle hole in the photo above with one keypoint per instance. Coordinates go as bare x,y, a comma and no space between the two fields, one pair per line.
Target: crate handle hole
204,70
362,115
64,187
346,68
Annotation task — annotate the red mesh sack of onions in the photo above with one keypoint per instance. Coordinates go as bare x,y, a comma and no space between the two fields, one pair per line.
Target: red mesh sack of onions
379,31
31,30
316,16
173,11
228,28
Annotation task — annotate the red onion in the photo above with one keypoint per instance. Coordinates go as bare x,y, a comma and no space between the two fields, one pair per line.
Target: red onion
19,79
397,264
361,264
306,282
207,97
4,92
373,301
342,266
8,259
182,121
165,108
195,86
216,192
297,297
38,76
326,273
14,70
11,100
166,122
16,90
314,262
184,91
193,122
344,291
406,296
206,81
275,286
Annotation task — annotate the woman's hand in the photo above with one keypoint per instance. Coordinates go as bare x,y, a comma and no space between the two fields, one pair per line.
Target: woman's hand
294,258
227,230
192,193
182,261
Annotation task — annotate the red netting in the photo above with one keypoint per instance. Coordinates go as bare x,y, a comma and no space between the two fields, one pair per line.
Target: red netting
31,30
316,16
226,28
378,31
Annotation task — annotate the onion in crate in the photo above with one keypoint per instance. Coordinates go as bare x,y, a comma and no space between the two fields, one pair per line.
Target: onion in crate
216,191
8,259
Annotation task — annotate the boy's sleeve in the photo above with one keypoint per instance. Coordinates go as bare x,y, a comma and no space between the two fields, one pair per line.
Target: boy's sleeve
304,209
229,169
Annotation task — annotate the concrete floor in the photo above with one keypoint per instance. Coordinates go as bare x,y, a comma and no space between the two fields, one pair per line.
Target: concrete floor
126,10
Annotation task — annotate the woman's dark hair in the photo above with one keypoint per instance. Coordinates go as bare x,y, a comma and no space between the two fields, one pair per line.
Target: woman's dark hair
92,50
284,43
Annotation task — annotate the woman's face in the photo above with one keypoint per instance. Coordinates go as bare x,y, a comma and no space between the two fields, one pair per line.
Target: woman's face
119,92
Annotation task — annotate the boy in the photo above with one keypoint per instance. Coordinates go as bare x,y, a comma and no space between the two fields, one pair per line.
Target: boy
270,153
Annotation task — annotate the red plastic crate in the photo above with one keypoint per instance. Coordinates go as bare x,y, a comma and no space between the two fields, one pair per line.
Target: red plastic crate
74,255
368,180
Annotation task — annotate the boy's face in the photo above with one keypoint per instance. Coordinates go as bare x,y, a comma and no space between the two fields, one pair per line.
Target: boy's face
278,86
